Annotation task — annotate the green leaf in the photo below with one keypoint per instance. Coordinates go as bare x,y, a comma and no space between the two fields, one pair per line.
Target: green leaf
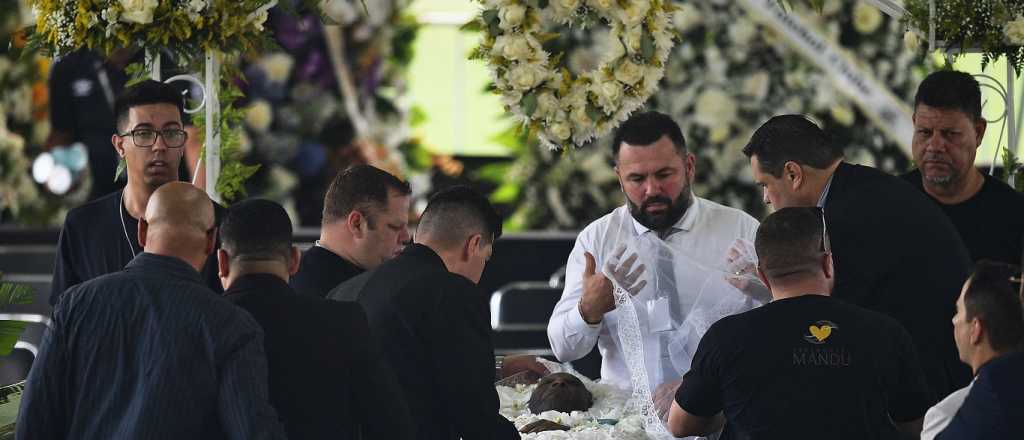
495,172
541,4
593,113
506,193
529,103
490,16
10,331
647,45
121,167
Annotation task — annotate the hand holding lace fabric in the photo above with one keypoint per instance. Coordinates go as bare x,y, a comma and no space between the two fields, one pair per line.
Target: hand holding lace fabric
741,263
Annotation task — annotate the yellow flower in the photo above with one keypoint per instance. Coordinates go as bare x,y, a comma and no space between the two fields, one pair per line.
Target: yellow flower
259,115
843,114
560,130
138,11
629,73
866,18
911,41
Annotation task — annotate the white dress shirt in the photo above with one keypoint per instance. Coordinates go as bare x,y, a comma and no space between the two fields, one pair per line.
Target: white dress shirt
705,233
939,416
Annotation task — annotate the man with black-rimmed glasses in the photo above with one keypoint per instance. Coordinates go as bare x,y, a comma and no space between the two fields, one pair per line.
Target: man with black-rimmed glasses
101,236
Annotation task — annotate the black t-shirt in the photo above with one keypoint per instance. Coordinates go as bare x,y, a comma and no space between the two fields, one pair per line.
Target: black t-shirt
321,270
991,223
95,242
807,367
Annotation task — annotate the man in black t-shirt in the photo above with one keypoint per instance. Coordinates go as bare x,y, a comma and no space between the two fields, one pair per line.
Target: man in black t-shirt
365,222
948,128
805,365
102,236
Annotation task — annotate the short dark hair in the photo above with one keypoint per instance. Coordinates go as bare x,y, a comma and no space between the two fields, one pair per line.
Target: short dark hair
786,138
458,212
951,90
256,230
145,93
993,298
790,241
646,128
360,188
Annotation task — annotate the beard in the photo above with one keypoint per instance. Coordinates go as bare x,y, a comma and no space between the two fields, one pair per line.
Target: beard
939,179
665,219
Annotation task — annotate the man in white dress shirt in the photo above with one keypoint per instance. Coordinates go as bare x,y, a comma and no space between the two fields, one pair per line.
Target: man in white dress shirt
655,172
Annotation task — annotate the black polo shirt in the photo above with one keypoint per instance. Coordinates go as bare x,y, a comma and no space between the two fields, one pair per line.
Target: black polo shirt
807,367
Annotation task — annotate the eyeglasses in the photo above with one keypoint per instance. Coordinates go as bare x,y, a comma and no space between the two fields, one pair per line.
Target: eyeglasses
146,137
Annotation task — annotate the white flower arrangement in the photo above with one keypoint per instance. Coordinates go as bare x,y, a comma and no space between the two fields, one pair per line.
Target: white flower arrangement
562,108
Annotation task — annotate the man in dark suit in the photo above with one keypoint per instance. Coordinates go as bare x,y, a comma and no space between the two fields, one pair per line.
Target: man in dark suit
433,321
365,222
895,251
328,377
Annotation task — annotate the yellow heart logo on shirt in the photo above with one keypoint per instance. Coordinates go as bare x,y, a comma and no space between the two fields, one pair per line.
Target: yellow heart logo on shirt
821,333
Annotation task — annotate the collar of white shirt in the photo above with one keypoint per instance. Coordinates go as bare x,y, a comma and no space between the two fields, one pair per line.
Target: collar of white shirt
685,223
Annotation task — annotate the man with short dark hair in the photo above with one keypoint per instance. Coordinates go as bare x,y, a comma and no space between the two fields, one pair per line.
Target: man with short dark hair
325,366
365,222
989,332
149,351
895,252
805,365
99,237
656,171
948,129
433,321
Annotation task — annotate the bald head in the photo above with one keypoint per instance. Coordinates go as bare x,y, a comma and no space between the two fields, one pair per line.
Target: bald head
178,221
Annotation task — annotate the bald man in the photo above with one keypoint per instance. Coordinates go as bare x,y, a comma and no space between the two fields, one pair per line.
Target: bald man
149,351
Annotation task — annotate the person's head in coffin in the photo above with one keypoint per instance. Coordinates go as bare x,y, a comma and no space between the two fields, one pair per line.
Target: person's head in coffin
791,160
460,225
256,237
366,216
989,318
560,392
654,168
150,134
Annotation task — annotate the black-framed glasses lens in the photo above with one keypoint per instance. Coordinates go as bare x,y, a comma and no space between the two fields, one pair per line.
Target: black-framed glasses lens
144,137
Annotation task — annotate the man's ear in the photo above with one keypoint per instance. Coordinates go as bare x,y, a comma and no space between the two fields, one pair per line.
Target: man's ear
118,142
472,246
223,267
143,228
793,173
764,279
293,263
828,266
979,129
691,166
211,240
977,331
355,223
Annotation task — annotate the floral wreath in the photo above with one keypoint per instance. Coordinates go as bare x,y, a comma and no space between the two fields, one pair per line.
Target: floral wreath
562,108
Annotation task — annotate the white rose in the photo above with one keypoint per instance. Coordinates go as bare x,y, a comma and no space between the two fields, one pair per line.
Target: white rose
686,18
632,38
196,5
526,76
911,41
866,18
608,94
511,97
1014,31
843,114
714,107
635,13
756,85
629,73
614,48
517,49
138,11
653,75
602,6
546,103
511,16
560,130
565,7
742,31
278,66
259,115
580,118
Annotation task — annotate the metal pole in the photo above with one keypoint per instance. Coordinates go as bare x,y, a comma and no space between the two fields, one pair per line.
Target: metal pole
1011,103
212,79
